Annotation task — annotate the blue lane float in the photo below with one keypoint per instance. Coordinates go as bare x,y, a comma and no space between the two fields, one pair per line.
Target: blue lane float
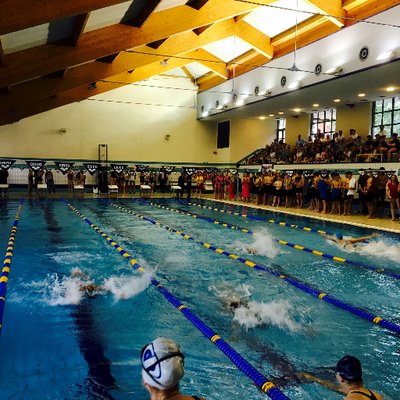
319,253
254,217
375,319
5,272
244,366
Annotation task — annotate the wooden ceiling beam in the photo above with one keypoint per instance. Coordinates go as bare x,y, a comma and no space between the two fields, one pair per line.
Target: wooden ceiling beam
21,14
324,29
1,54
332,9
213,63
350,4
188,74
42,60
94,71
144,14
79,28
368,9
196,4
255,38
304,27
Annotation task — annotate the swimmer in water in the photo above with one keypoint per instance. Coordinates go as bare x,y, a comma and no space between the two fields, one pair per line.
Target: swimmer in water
251,250
338,238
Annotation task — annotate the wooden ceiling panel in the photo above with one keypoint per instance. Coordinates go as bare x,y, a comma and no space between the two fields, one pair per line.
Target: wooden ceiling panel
21,14
48,76
43,60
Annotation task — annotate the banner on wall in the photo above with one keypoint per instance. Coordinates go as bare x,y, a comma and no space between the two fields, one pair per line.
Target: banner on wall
36,165
91,167
64,166
189,170
141,168
267,167
6,164
167,168
118,168
210,170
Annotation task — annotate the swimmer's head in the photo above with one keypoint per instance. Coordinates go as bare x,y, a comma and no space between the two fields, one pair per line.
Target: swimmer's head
349,368
339,236
162,363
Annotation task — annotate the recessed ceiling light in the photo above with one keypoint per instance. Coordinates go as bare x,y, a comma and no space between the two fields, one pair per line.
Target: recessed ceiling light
262,117
361,94
271,115
296,109
315,105
204,114
336,100
281,113
390,89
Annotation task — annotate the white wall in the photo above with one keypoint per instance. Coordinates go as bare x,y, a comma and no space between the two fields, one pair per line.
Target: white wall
134,130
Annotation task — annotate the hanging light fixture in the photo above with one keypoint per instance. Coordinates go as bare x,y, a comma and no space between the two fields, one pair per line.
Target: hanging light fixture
294,67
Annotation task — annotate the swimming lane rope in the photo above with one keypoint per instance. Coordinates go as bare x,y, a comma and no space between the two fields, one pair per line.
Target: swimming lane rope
319,253
7,263
254,217
260,380
292,281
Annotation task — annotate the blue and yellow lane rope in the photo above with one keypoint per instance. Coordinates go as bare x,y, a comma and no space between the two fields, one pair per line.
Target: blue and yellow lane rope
241,363
319,253
5,272
254,217
375,319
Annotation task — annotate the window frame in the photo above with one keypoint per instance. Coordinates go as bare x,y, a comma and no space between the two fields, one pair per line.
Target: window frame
315,120
281,130
388,127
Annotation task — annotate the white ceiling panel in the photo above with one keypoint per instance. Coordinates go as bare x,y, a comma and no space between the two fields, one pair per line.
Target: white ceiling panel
25,38
107,16
166,4
279,16
197,70
176,72
229,48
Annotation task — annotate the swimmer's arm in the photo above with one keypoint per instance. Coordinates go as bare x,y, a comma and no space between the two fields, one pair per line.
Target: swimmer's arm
329,237
362,239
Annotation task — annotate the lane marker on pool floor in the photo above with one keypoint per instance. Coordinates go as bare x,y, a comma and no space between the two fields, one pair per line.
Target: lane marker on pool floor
371,268
260,380
375,319
5,272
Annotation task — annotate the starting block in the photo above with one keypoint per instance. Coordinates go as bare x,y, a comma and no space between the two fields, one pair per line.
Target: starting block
112,189
175,190
79,191
145,191
4,188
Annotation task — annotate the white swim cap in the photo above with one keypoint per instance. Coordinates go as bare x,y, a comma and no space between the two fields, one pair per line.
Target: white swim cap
162,363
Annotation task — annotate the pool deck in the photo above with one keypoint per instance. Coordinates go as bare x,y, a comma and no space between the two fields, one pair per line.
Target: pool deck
380,224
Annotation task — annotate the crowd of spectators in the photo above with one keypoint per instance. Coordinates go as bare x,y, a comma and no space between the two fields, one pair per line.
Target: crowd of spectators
329,149
323,192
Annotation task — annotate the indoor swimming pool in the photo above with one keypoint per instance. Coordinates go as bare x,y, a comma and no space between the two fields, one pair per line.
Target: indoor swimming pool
304,301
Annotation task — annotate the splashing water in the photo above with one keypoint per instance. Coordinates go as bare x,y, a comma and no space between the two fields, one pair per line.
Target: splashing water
124,287
276,313
263,245
381,249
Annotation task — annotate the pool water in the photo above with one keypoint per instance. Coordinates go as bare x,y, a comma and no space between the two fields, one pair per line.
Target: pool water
58,343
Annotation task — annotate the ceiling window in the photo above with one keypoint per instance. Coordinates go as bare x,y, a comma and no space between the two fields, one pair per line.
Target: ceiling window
386,112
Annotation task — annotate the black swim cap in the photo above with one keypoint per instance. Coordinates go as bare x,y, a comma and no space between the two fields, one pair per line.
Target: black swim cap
349,368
